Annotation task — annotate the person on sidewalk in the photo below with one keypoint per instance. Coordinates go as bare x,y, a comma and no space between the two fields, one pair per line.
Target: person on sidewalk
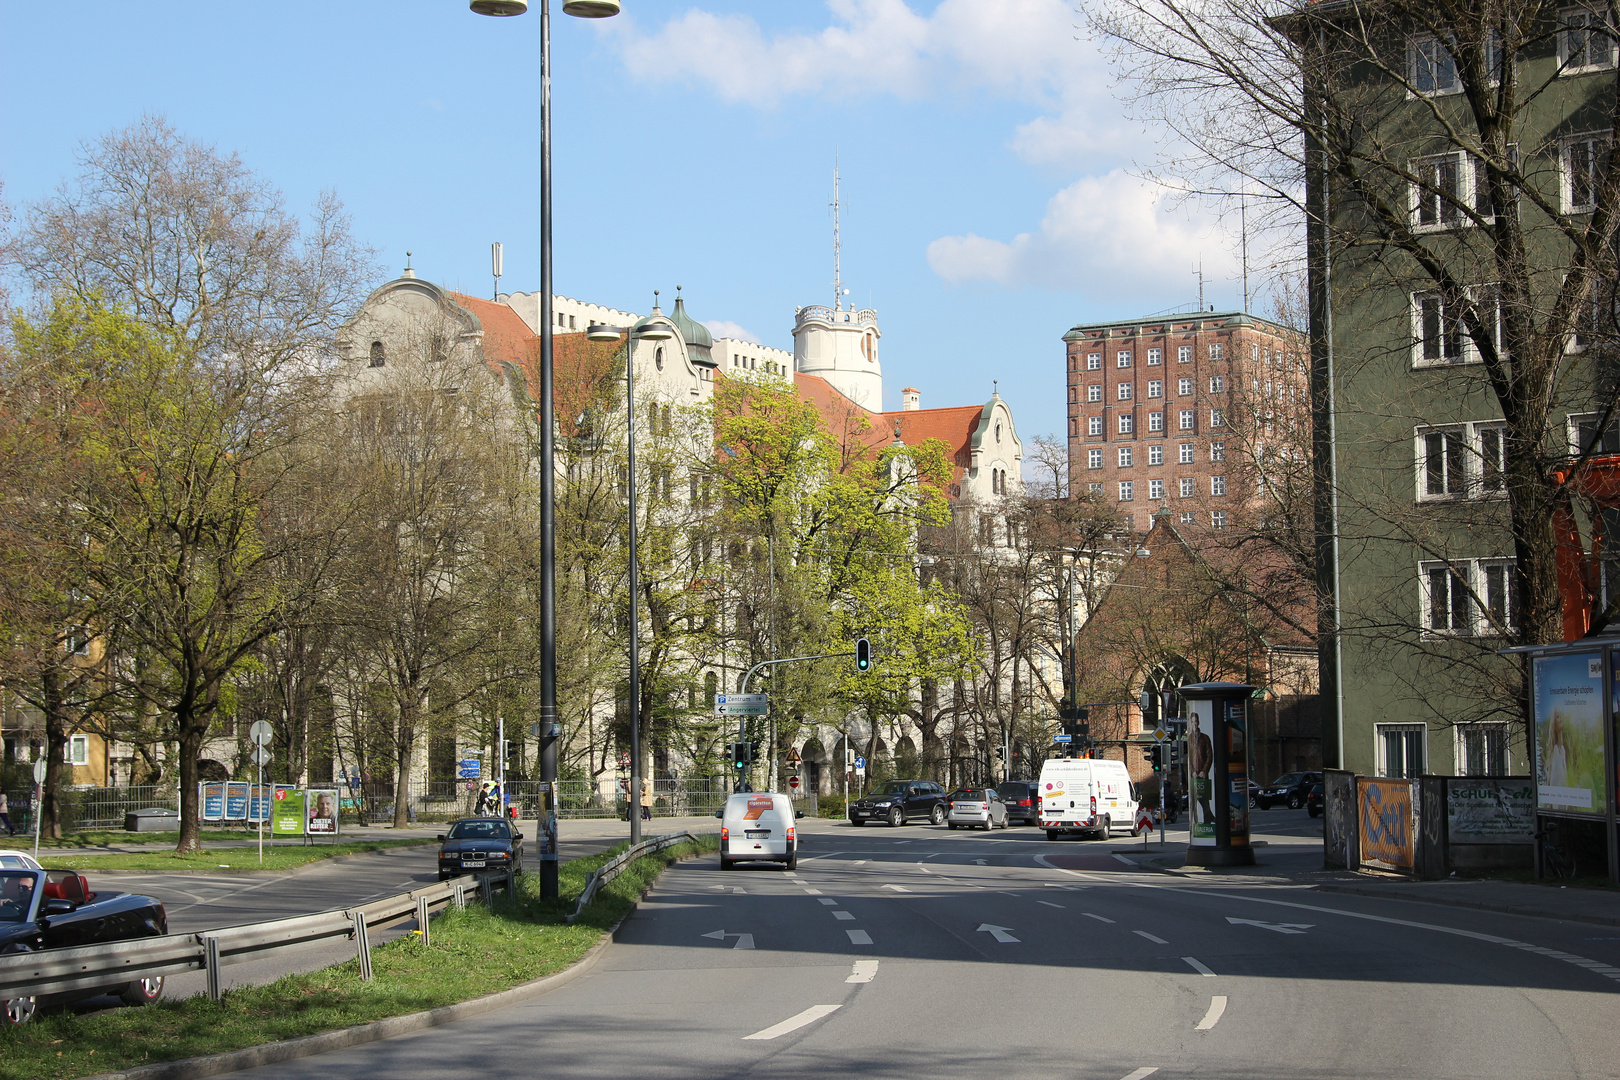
5,816
646,798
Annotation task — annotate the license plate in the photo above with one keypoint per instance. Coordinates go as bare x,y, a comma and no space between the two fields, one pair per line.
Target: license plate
757,834
469,864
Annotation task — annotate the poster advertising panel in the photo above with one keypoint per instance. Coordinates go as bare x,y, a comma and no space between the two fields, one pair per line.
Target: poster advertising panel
1200,772
236,800
1237,771
1386,824
1490,810
258,803
1570,771
287,812
213,800
323,811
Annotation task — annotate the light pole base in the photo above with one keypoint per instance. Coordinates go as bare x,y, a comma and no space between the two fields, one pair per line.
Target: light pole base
1217,857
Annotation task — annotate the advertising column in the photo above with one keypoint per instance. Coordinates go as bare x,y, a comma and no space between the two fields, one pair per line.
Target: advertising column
1218,773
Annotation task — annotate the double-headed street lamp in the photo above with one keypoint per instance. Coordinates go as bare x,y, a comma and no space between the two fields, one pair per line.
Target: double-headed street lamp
644,331
549,732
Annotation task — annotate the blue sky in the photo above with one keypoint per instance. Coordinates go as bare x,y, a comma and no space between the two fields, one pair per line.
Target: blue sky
985,159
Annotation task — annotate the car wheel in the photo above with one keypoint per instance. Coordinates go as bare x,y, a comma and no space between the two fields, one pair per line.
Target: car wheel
938,816
952,825
793,860
1295,802
1260,804
19,1010
857,821
1107,829
142,991
725,863
1051,834
443,876
1314,811
897,818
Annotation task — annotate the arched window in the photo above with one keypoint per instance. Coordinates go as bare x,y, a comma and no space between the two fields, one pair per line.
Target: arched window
378,359
658,358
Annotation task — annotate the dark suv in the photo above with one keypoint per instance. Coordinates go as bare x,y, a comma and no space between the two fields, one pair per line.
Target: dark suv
1023,801
1289,788
900,801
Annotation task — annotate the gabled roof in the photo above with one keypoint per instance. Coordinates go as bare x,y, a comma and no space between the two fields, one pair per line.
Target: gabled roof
507,338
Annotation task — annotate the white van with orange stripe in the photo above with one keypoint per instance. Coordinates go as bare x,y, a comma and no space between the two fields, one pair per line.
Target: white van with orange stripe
758,825
1086,795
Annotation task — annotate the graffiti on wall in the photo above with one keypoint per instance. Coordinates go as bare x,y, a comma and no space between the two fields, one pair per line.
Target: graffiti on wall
1386,823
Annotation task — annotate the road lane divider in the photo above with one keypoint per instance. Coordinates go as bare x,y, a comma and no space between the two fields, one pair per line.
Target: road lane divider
859,937
865,971
843,916
1140,1074
829,901
1099,918
896,888
1151,937
812,892
1192,962
794,1023
1049,903
1217,1007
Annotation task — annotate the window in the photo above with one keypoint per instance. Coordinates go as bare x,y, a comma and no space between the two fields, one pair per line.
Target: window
1126,455
1094,459
1187,487
379,355
1217,384
1217,351
1155,388
1186,453
1216,418
1585,161
1585,39
1433,69
1127,423
1155,421
1500,593
1094,393
1184,420
1482,750
1155,489
1096,489
1124,391
1440,334
1184,387
1127,490
1189,517
1492,457
1444,463
1156,454
1094,361
1094,425
1217,451
78,750
1123,359
1460,461
1217,519
1074,426
1585,436
1155,357
1074,394
1402,750
1183,354
1446,603
1217,485
1437,193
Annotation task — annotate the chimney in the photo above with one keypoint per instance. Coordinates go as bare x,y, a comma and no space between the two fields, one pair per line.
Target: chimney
910,399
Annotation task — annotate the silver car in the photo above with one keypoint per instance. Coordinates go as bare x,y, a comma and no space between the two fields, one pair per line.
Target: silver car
16,860
975,808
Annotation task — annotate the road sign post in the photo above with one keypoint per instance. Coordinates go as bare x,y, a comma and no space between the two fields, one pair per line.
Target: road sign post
39,801
260,732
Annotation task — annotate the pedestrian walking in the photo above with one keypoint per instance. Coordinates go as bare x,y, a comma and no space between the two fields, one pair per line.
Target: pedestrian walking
646,798
5,816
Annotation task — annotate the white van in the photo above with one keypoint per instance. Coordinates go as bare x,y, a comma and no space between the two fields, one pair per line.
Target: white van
1086,795
758,825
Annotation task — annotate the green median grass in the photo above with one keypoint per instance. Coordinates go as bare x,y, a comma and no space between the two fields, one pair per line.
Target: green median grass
230,860
473,953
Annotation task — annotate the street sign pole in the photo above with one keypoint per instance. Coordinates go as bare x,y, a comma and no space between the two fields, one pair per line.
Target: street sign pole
39,801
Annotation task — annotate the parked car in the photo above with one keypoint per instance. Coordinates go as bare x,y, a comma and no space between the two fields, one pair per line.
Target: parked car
1023,801
16,860
900,801
975,808
55,909
1289,788
1314,800
481,843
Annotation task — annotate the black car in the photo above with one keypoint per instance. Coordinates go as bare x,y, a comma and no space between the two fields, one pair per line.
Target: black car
481,843
55,909
1314,800
1289,788
900,801
1023,802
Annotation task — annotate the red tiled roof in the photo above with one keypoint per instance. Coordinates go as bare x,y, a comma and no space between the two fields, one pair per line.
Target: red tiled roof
507,338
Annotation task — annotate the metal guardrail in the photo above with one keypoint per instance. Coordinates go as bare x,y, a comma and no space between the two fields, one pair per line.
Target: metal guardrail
614,866
55,971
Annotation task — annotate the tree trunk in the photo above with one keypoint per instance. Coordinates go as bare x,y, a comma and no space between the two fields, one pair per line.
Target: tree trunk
56,740
404,750
191,741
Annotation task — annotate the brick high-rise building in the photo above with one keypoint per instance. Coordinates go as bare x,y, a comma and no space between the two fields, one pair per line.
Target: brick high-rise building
1172,411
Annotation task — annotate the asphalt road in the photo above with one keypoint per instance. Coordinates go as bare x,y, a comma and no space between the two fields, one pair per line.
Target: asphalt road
919,952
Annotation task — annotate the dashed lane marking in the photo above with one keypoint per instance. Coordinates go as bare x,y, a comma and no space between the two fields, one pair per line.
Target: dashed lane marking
829,901
1217,1006
843,916
1099,918
1049,903
1141,1074
859,937
812,892
1192,962
794,1023
865,971
1151,937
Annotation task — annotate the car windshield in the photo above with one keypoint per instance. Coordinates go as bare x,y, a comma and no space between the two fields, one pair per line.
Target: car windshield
1286,778
16,891
896,788
480,830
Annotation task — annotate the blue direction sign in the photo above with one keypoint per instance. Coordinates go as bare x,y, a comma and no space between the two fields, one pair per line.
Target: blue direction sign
1064,736
470,769
860,764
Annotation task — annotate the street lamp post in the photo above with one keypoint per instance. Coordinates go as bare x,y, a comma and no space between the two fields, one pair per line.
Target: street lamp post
652,331
585,9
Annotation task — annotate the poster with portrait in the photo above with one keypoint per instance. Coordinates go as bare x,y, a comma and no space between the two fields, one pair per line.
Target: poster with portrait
1570,772
323,811
1201,771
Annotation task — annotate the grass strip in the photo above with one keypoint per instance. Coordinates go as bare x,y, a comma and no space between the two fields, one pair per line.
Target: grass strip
219,860
474,952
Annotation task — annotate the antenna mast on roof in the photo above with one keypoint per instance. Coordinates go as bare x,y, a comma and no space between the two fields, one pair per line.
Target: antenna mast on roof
495,267
838,243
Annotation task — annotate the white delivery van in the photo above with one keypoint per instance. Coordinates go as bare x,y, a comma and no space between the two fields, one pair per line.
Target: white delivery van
1086,795
758,825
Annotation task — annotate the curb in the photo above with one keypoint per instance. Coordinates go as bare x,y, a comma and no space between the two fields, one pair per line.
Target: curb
327,1041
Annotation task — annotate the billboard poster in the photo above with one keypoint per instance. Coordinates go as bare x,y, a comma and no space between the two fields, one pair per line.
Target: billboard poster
1201,772
236,800
1386,823
1570,772
322,806
1490,810
258,803
213,800
1237,770
287,812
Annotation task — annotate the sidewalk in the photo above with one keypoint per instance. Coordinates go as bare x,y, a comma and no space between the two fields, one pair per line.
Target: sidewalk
1297,860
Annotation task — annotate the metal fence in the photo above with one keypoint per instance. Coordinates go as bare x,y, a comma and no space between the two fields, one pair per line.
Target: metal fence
92,807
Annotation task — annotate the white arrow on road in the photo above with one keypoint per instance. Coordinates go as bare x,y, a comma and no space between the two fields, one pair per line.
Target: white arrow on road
1277,927
744,941
1000,933
897,888
978,862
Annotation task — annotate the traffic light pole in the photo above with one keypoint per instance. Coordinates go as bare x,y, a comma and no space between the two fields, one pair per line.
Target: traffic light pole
748,677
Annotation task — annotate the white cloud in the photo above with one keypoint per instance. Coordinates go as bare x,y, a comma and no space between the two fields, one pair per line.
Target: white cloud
1111,236
721,328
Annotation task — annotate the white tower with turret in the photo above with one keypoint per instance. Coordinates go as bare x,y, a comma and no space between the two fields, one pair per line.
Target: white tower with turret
840,344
